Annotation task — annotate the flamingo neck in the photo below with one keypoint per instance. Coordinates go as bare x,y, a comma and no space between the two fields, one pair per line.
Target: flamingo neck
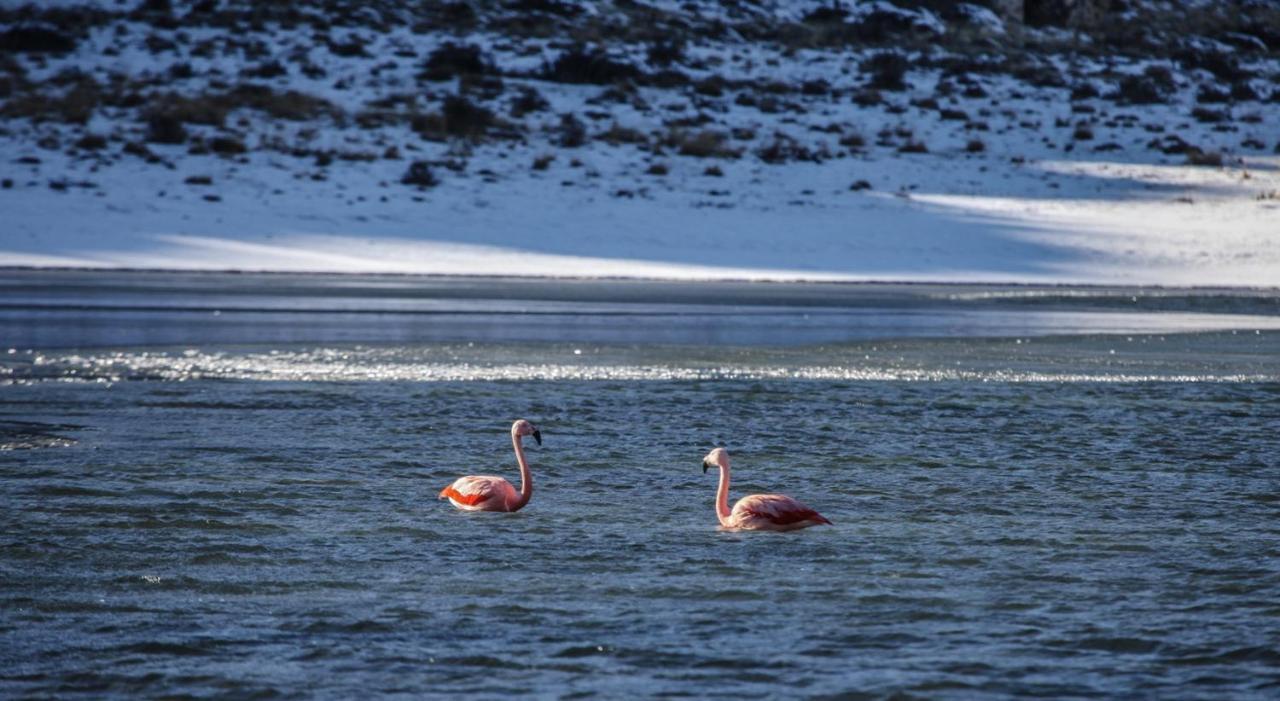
722,496
526,479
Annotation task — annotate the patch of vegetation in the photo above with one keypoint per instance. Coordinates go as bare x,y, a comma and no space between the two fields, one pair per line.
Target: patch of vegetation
1210,116
419,175
529,100
589,65
702,144
451,60
572,133
1155,85
212,108
74,104
36,40
784,148
887,71
618,134
1197,157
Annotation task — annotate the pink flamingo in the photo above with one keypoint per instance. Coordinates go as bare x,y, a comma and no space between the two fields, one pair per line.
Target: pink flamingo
757,512
489,493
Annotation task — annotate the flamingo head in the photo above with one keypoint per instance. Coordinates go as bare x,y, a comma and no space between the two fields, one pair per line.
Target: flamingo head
717,458
523,428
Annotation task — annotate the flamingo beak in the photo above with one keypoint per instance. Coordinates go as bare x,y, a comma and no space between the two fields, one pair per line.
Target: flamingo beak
537,436
705,467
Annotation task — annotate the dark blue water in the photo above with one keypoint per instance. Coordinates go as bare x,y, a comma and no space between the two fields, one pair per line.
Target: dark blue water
1071,515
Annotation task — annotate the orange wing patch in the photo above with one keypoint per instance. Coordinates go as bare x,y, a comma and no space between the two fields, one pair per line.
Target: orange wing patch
787,518
467,499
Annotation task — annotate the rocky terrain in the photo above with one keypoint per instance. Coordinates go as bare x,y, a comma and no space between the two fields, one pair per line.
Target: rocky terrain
181,111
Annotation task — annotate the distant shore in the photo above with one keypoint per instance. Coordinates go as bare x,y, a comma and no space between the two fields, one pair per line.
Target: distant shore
968,150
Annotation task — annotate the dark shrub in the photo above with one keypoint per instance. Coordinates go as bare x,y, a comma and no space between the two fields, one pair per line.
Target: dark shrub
664,52
1208,116
459,14
703,144
452,60
1047,13
1171,145
165,129
227,146
270,69
868,98
289,104
589,65
887,70
1223,65
671,78
1155,85
1210,95
1243,92
815,87
549,7
36,40
1197,157
572,132
783,148
75,106
419,175
462,118
853,141
710,87
1041,75
887,24
529,100
826,15
618,134
92,142
1084,91
348,49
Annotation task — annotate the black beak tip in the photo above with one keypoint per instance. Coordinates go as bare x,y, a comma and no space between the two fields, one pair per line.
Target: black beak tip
705,467
537,436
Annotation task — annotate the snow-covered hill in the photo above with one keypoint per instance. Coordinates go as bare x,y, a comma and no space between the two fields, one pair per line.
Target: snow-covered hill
780,140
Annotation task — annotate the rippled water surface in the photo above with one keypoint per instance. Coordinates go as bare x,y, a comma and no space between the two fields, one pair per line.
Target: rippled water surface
1084,514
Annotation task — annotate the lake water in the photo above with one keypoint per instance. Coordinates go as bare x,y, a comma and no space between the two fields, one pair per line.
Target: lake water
225,486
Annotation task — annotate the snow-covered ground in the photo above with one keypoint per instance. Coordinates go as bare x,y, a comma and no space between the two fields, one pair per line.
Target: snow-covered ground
1017,183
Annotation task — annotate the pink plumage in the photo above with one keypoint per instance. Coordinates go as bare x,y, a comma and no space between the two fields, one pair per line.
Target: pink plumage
757,512
490,493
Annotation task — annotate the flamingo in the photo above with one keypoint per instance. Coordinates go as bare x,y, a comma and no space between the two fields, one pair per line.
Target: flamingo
757,512
489,493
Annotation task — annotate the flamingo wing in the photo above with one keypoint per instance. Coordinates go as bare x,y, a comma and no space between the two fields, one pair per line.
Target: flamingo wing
774,511
478,492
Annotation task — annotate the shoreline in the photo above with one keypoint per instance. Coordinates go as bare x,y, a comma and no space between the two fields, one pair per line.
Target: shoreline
710,281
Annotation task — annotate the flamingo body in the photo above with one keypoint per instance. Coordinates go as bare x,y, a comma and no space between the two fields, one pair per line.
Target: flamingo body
772,512
757,512
481,493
